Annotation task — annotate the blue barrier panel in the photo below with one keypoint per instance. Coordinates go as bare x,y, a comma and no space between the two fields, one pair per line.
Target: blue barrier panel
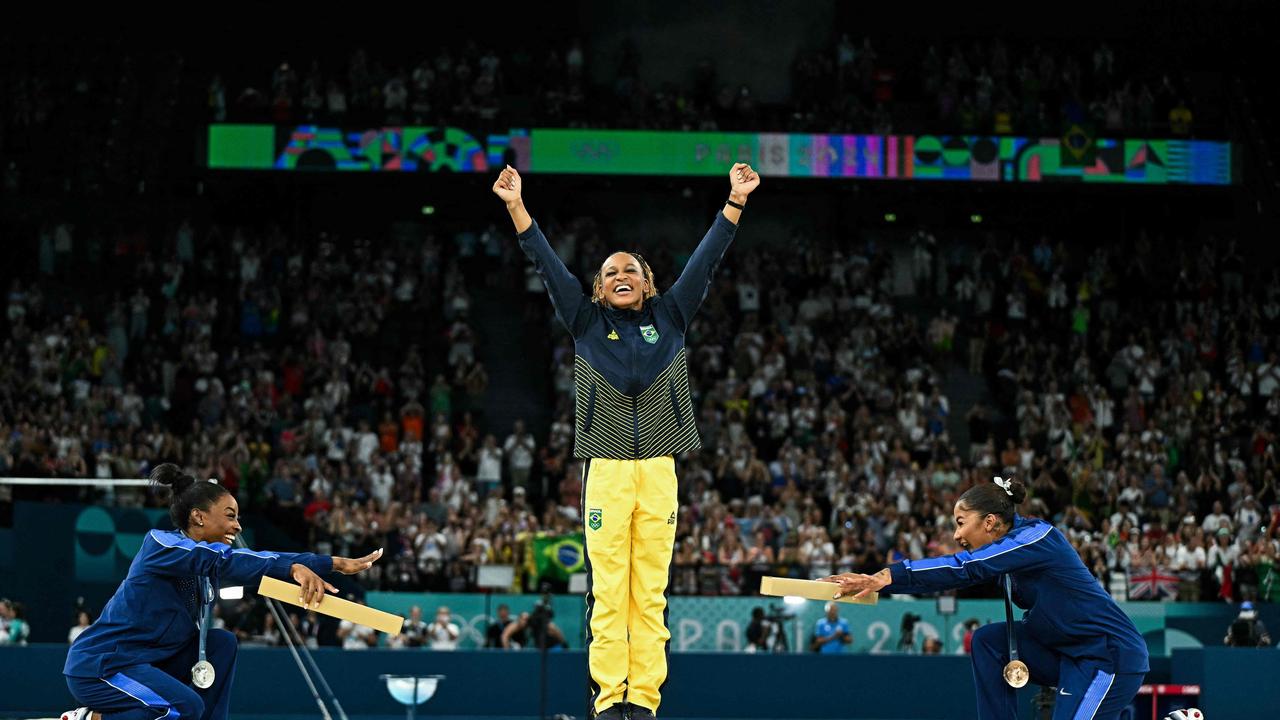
1235,682
506,684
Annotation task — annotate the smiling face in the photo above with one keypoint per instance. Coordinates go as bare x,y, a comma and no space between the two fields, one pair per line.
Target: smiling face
220,523
974,530
622,282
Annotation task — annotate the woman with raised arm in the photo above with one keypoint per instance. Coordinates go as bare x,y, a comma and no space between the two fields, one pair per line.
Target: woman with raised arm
634,414
152,654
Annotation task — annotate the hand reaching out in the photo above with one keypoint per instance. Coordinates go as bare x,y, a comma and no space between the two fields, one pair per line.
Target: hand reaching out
862,585
313,586
351,566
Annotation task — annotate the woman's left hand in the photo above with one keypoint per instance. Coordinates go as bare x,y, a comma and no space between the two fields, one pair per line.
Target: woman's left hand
742,179
851,583
351,566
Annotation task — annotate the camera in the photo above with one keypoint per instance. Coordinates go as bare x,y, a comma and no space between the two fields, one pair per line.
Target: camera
541,613
907,641
778,613
909,621
766,631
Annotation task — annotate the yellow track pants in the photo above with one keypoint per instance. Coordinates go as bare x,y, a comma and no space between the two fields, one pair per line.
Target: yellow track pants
629,512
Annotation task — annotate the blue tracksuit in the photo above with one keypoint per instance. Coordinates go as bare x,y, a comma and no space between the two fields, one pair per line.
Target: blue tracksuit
1073,635
135,661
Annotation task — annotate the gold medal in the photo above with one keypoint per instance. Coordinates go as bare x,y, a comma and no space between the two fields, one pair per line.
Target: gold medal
1016,674
202,674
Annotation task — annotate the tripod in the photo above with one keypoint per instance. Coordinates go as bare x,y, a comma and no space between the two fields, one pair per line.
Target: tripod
539,617
295,642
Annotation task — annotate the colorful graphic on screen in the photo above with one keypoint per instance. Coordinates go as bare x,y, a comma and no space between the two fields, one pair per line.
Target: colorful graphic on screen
967,158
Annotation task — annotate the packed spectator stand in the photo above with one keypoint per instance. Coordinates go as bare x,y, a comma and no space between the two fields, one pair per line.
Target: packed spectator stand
335,380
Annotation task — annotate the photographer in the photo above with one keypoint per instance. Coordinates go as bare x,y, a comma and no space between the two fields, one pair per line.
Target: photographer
516,634
414,633
443,634
831,633
1247,630
496,629
907,639
757,631
766,630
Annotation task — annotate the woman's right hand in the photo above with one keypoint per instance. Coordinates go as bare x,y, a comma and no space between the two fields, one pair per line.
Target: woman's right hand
508,185
311,586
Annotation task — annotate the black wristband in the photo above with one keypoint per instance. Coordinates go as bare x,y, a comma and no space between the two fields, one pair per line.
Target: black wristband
733,204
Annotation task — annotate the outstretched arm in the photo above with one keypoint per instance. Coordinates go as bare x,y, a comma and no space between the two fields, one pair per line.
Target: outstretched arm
566,294
176,555
1027,549
690,289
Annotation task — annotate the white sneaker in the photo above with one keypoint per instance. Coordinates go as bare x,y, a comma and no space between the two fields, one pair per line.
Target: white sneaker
77,714
1188,714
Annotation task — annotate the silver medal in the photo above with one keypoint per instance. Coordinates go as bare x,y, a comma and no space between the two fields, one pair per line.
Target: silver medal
202,674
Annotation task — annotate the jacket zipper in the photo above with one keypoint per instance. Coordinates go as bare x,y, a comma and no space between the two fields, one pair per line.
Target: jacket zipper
635,405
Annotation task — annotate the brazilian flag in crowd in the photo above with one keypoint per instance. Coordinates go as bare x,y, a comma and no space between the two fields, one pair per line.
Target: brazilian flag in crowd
556,557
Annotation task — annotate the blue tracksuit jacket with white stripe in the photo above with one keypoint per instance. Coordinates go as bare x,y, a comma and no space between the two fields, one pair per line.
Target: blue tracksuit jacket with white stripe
1067,609
156,611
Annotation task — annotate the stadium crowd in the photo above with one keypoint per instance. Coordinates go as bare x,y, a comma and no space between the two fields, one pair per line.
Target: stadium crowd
988,87
1134,386
1143,421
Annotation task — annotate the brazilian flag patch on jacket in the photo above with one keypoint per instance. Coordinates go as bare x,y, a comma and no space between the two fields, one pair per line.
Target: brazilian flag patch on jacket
649,333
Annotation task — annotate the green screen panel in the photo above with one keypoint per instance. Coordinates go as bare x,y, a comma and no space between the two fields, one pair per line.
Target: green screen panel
629,152
249,147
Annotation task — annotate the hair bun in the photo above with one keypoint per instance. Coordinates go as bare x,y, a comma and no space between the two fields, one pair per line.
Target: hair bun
171,476
1018,490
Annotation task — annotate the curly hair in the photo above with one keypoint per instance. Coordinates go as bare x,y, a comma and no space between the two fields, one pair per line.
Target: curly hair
597,283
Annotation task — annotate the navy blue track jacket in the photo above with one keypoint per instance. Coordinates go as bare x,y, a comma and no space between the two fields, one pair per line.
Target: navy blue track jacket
1067,609
156,610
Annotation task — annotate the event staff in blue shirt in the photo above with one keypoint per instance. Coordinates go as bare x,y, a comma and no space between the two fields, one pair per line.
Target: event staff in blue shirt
1072,636
150,655
831,633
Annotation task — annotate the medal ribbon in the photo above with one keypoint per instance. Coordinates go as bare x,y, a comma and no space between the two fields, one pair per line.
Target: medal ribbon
206,614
